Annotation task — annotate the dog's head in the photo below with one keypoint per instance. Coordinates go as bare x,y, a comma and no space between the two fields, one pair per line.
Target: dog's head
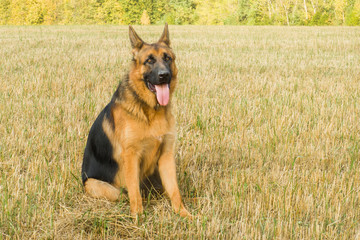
154,68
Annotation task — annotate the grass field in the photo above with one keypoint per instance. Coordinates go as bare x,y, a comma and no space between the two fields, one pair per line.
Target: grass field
268,132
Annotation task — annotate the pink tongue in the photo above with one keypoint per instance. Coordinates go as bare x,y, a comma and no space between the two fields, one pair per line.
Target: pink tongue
162,94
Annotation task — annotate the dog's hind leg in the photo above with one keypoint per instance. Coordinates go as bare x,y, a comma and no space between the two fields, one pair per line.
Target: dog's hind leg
99,189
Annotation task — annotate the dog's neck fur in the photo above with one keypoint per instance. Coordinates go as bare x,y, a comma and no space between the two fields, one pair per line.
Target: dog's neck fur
135,105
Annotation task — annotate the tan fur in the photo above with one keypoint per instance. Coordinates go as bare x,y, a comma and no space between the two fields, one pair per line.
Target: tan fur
142,136
99,189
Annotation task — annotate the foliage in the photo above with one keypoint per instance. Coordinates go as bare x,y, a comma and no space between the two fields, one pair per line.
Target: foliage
180,12
353,13
208,12
4,11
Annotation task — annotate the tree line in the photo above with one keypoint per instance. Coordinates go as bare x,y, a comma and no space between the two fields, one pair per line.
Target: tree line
209,12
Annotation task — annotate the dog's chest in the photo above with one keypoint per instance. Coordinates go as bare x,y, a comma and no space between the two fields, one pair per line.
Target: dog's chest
151,152
159,138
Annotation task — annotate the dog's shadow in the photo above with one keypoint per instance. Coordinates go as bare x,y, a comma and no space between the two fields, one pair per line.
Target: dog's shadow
151,187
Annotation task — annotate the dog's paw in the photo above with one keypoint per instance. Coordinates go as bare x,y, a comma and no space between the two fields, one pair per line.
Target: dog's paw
185,214
137,210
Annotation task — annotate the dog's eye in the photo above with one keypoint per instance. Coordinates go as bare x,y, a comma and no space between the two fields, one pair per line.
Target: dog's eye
167,58
149,61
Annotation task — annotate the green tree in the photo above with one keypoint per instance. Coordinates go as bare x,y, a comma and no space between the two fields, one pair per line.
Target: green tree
113,11
35,14
353,13
49,11
4,11
258,13
242,12
250,12
159,9
339,10
18,12
66,11
180,12
214,11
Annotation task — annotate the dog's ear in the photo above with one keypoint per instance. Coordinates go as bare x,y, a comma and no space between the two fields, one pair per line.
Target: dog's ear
136,41
165,36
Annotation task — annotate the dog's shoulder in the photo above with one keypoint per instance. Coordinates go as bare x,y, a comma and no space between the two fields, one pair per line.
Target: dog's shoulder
98,156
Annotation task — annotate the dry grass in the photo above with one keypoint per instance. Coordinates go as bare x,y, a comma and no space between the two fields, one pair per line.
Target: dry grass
268,132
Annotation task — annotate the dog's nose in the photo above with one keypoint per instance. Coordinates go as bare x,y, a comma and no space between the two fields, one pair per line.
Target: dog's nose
164,75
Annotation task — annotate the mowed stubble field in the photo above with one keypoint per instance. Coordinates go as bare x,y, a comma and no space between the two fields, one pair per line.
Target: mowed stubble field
268,132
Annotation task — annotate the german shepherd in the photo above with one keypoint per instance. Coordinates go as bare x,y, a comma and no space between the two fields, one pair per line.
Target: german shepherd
133,138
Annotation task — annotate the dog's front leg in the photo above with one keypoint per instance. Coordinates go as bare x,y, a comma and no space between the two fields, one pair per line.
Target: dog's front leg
132,181
167,170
